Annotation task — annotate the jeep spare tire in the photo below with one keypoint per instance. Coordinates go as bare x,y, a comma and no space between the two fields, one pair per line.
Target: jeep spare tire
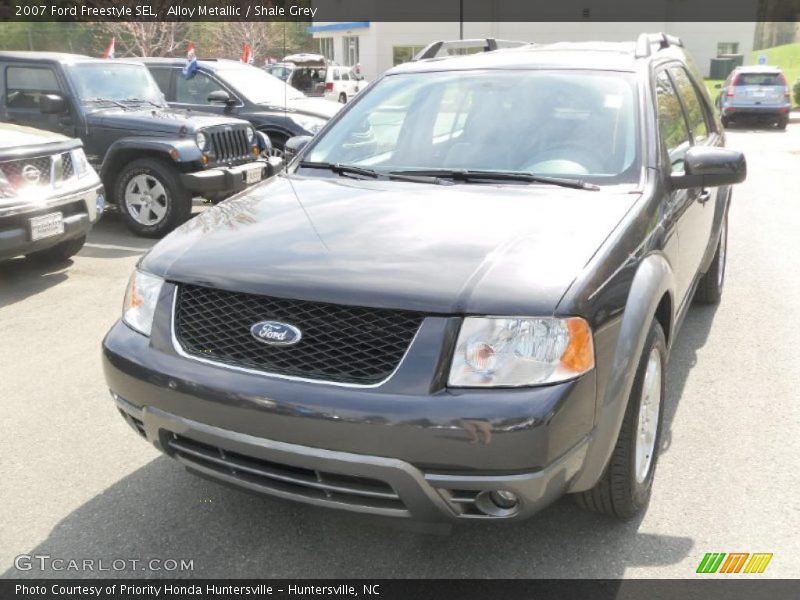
150,198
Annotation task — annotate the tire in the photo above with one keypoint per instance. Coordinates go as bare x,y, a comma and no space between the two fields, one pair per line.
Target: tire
61,252
627,482
782,123
343,98
169,203
726,122
709,288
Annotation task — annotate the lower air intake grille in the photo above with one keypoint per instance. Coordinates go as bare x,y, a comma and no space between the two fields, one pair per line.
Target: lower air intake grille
344,344
273,476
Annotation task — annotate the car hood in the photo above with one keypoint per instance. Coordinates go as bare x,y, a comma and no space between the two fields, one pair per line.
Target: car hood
158,120
467,248
17,136
317,107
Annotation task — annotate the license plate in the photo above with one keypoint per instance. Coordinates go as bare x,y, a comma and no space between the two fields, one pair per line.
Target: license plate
47,226
252,175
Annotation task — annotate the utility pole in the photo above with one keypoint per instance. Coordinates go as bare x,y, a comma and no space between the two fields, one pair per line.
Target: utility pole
461,19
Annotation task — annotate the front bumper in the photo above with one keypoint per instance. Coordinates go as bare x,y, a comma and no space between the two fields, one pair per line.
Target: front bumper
434,448
225,180
355,482
80,209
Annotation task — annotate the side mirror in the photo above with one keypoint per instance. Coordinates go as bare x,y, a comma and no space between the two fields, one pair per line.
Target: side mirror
52,104
221,97
295,145
710,167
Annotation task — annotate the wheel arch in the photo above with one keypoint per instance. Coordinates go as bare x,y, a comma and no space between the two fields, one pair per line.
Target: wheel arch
651,296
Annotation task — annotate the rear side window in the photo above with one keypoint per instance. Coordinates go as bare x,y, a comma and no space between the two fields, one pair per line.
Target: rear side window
24,85
692,102
758,79
671,122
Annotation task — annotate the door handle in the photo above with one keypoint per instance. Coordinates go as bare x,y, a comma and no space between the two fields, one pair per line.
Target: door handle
704,196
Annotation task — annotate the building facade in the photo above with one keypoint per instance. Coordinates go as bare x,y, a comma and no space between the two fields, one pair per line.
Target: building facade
377,46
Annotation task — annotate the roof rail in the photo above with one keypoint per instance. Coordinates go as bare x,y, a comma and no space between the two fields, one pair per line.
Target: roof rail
646,41
437,48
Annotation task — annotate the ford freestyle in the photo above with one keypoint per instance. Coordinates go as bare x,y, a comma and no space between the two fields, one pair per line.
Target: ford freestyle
457,302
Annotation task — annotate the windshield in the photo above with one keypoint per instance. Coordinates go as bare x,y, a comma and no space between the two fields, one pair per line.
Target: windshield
115,82
579,124
258,86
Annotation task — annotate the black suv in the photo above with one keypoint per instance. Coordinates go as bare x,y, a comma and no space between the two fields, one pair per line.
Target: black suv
234,88
459,300
152,159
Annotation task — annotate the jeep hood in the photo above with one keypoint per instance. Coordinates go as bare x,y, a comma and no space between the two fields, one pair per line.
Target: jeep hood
158,120
466,248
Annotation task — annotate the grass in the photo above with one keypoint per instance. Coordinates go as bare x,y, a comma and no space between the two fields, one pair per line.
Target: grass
787,57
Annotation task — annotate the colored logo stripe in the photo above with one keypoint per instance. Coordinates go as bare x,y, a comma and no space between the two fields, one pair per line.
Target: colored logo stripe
713,562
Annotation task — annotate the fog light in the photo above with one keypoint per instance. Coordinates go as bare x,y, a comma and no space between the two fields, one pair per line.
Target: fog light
497,503
504,498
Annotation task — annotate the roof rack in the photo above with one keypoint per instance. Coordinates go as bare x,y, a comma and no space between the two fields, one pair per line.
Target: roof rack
437,48
646,41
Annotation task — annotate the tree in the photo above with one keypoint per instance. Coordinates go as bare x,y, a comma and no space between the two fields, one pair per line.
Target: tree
139,38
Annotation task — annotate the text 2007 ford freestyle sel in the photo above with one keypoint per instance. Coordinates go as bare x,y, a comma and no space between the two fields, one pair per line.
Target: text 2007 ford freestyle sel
458,302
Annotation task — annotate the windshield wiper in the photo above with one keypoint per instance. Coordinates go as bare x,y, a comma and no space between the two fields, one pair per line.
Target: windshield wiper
345,170
142,100
473,175
109,100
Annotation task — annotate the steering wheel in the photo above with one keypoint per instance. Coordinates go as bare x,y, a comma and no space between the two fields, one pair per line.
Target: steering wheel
570,152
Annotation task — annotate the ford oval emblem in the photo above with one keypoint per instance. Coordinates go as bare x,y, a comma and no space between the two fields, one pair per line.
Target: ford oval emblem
276,333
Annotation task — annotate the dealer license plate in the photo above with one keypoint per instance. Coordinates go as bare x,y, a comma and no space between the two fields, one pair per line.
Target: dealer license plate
252,175
47,226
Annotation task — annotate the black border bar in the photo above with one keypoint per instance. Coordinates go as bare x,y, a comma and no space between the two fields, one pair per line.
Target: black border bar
359,11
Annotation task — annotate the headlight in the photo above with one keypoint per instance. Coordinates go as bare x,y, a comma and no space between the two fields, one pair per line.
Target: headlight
6,189
250,135
513,352
140,301
200,140
79,163
310,124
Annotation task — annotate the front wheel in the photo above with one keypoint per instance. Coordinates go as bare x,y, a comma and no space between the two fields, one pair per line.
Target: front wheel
709,289
625,487
151,199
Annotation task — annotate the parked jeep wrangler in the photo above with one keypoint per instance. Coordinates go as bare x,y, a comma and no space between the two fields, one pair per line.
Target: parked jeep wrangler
152,159
49,194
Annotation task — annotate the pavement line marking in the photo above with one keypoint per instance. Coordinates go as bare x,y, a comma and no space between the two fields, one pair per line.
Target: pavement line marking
115,247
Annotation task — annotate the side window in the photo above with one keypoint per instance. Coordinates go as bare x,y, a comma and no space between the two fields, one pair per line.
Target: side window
196,89
695,114
671,122
162,79
24,85
345,76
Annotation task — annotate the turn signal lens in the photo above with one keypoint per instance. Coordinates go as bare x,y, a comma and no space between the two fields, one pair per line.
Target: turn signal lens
579,355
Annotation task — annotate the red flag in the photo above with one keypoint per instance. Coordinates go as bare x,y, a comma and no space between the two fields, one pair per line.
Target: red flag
109,53
247,55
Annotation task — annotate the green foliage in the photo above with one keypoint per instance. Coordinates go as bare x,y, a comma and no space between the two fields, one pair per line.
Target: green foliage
796,92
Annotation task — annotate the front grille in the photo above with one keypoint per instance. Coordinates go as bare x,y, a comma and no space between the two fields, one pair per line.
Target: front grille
273,476
343,344
229,144
15,171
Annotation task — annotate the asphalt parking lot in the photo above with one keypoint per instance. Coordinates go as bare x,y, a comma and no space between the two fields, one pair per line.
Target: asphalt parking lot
77,483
